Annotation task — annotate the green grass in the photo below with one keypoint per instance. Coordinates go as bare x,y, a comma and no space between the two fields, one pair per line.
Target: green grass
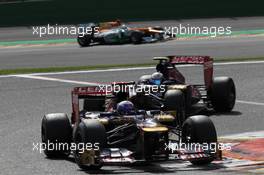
98,67
37,42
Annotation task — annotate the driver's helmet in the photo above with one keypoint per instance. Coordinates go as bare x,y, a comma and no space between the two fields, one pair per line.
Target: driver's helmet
125,108
156,78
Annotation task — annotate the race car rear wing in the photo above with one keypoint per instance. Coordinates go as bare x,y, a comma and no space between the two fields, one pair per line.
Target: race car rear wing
206,61
94,93
82,92
85,92
178,59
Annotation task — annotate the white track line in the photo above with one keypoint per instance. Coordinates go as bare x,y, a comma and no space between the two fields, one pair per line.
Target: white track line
58,80
238,63
94,71
79,72
6,76
250,102
129,69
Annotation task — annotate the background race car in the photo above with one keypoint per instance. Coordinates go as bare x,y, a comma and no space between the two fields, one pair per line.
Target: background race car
116,33
215,94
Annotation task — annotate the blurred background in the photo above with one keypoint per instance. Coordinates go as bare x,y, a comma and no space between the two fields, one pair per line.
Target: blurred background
40,12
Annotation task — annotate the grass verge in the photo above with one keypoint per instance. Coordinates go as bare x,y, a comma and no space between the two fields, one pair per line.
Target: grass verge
98,67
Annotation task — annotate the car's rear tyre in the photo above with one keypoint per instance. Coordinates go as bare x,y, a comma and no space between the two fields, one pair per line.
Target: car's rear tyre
199,129
85,40
136,37
174,100
56,131
223,94
91,132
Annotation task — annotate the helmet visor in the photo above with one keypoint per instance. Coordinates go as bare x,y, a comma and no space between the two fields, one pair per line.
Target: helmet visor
156,82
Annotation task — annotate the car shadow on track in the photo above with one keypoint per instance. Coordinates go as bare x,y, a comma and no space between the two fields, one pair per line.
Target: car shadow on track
147,167
232,113
70,158
153,168
213,113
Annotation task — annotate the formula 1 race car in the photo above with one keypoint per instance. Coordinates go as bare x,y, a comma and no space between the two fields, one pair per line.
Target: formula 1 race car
115,33
216,94
126,135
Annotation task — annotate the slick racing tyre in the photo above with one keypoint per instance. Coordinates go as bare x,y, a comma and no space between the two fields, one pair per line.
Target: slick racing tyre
136,37
89,132
174,100
85,40
199,129
223,94
56,134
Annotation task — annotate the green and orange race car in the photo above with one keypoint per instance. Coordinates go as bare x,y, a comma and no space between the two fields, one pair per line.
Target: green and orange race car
117,33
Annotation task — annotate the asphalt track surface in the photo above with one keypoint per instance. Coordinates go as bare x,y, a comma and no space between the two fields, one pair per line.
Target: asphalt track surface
73,55
25,100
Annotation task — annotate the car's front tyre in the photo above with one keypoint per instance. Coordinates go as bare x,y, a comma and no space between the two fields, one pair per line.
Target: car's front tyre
56,134
199,129
89,132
